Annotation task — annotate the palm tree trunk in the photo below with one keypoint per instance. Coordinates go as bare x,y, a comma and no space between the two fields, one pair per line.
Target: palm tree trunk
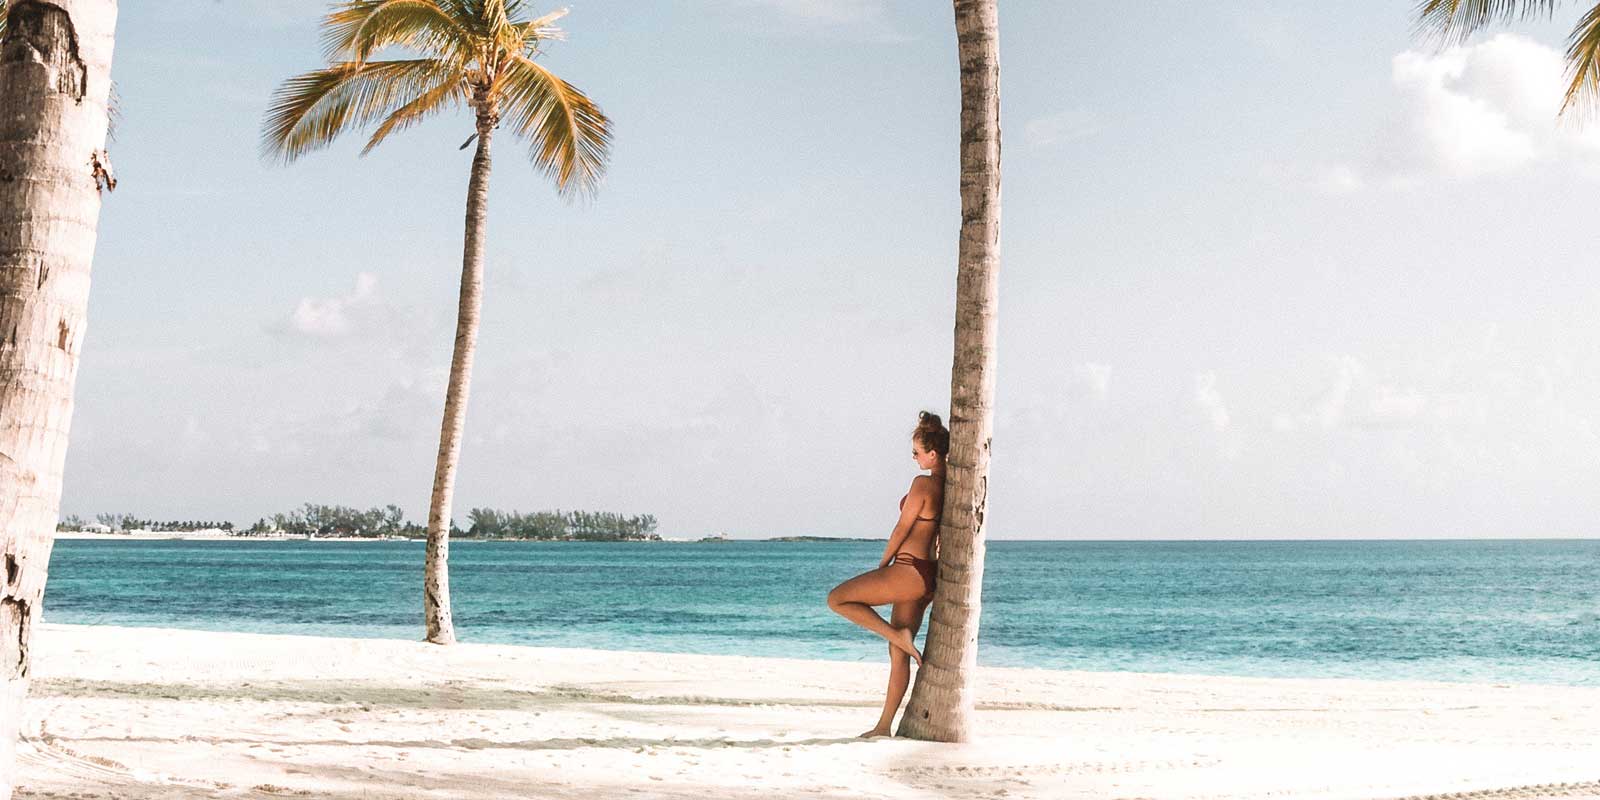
436,577
55,76
940,707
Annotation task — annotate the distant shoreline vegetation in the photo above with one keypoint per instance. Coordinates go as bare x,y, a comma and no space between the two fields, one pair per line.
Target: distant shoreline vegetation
314,521
577,526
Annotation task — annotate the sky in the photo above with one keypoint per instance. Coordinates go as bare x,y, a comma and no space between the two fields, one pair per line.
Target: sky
1268,271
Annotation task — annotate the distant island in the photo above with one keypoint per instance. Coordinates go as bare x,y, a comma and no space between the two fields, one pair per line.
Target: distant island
314,521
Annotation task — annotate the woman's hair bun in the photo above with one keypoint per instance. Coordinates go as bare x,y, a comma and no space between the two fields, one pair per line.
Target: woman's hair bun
931,433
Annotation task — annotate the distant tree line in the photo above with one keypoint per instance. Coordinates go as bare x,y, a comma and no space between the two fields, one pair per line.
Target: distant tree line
586,526
315,520
129,522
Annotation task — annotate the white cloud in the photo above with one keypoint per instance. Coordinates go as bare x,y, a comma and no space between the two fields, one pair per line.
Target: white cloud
1064,401
1096,378
327,317
1482,109
1339,179
1062,127
1467,127
1209,400
1390,406
1330,408
1486,391
194,435
1353,399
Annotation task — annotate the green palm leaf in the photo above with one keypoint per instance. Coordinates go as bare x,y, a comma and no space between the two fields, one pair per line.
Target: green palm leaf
1583,62
1452,21
532,32
449,92
570,139
309,111
359,29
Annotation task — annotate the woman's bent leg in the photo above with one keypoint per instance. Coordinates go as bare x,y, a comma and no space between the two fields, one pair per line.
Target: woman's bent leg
855,598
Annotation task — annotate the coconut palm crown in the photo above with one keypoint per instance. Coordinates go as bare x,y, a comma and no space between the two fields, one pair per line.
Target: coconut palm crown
479,53
1452,21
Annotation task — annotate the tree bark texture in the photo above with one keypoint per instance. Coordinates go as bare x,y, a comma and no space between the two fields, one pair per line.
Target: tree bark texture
436,577
941,702
55,78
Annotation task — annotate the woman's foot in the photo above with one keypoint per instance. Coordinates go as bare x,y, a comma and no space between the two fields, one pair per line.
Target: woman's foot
901,638
874,733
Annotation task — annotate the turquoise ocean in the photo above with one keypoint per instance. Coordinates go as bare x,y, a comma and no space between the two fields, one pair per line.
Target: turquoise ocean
1500,611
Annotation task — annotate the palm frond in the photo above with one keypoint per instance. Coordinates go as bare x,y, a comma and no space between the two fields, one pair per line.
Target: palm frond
1583,63
360,28
430,102
497,13
569,137
482,16
501,31
467,13
1452,21
534,31
310,110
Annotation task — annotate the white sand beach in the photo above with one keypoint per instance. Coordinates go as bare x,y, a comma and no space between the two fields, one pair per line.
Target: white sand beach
154,713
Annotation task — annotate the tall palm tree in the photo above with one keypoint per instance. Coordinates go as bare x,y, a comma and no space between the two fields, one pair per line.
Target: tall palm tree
482,54
940,707
1455,20
55,79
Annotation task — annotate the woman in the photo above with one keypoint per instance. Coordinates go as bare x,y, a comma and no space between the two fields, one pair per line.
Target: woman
905,574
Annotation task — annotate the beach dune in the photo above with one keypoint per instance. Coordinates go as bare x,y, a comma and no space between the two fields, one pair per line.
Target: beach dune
157,713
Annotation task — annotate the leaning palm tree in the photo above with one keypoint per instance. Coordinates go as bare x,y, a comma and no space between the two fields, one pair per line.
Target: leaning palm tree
481,54
55,78
940,707
1452,21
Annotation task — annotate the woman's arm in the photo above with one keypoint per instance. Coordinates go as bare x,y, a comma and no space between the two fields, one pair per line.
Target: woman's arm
921,486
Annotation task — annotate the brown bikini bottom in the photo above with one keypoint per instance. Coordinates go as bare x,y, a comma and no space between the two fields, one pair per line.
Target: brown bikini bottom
928,570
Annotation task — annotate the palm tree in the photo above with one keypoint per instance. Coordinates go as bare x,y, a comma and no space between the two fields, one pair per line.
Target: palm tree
1455,20
940,707
482,54
55,80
